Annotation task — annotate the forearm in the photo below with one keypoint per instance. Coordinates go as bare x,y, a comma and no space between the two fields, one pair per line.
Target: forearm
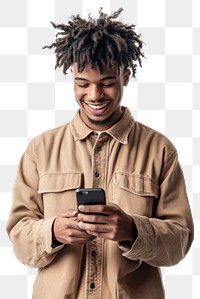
159,243
165,238
32,242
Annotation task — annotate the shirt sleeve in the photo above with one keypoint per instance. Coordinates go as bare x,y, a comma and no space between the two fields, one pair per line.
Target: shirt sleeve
30,233
165,239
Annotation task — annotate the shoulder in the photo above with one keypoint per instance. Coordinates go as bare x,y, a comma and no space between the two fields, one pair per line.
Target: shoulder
153,140
48,139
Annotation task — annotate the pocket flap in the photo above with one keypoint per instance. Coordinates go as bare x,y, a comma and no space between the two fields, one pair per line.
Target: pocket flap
137,184
59,182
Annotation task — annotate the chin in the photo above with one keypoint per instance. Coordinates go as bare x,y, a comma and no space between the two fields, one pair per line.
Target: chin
102,122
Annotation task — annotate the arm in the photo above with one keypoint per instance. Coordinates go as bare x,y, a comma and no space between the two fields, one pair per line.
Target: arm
165,239
31,234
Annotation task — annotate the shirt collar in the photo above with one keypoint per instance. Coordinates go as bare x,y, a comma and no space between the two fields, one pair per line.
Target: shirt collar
120,131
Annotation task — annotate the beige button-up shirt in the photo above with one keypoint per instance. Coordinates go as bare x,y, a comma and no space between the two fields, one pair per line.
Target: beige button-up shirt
139,170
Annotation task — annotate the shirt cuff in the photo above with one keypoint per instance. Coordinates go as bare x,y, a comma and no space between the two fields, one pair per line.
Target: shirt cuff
55,243
143,244
45,237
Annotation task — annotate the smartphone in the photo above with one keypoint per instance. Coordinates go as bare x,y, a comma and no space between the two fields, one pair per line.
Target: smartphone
90,196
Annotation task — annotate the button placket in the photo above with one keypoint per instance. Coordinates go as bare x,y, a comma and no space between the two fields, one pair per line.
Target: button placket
99,148
97,174
92,285
94,253
99,163
95,248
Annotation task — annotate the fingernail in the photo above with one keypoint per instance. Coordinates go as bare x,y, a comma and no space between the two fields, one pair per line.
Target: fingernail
80,224
81,208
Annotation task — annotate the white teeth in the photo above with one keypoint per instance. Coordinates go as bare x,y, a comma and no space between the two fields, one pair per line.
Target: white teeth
97,107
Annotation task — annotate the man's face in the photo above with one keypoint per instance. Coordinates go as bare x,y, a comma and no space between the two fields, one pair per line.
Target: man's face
99,95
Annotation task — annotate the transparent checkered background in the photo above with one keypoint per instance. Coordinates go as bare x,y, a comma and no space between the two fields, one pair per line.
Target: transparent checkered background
165,96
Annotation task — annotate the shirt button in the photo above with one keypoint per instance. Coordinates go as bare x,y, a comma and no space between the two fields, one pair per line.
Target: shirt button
96,174
99,148
94,253
92,285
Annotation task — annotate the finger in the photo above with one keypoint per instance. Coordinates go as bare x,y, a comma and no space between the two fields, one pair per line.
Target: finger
77,233
69,234
93,218
69,213
100,209
71,223
94,227
77,238
99,235
91,233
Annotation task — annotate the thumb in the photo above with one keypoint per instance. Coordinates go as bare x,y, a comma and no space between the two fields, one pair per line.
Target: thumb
70,213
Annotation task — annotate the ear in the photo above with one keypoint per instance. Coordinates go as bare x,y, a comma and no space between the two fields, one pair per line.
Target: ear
127,74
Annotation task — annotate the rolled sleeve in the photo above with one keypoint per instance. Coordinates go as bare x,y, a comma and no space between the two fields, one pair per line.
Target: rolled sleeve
165,238
143,244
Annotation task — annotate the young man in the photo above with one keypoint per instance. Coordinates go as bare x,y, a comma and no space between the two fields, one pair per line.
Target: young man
101,251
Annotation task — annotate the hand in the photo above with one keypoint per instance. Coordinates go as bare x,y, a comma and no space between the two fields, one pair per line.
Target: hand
67,231
113,223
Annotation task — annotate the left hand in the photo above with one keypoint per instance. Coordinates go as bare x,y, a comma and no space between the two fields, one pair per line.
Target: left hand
113,223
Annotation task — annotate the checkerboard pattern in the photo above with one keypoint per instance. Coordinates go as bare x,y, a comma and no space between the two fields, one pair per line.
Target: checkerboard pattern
165,96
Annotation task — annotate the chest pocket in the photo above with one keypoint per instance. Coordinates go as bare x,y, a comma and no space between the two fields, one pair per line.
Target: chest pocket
59,192
135,194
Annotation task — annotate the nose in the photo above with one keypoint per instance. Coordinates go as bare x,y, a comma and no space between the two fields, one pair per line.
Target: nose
95,92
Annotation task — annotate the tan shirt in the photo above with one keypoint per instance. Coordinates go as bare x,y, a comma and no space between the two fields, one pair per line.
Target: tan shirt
139,170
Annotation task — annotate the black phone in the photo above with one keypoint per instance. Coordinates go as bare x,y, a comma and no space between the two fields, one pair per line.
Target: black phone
90,196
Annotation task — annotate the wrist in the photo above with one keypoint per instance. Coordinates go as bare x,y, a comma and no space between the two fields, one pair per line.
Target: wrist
54,242
133,233
128,243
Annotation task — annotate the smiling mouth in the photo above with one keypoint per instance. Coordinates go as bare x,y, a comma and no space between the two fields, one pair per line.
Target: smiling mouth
98,107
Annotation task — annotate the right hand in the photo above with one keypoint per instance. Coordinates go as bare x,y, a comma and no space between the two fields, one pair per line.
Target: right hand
66,229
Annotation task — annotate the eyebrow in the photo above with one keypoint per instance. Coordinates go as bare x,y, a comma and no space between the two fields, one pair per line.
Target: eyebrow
103,79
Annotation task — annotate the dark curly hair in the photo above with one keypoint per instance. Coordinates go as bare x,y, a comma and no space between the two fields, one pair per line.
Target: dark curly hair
99,42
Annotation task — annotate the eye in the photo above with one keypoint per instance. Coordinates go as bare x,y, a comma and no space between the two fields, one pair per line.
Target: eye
83,85
108,84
